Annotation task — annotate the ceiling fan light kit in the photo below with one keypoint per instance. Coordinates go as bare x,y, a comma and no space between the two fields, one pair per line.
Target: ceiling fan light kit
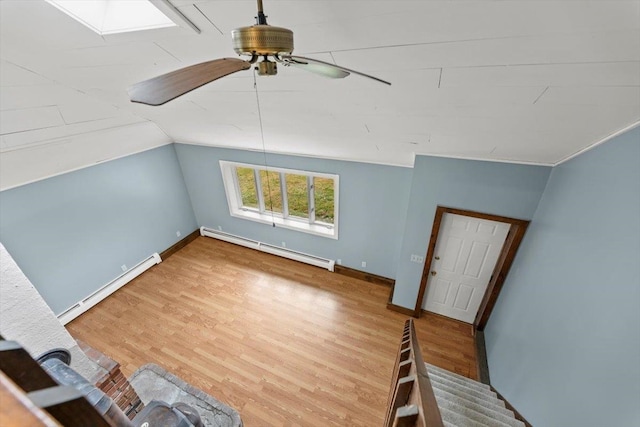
265,44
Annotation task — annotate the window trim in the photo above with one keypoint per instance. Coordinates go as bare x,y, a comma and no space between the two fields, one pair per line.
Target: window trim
284,220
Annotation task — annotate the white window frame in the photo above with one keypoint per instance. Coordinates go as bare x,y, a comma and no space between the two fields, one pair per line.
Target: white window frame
265,216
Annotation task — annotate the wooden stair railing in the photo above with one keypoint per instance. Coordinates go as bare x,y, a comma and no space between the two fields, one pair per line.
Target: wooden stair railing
411,399
30,390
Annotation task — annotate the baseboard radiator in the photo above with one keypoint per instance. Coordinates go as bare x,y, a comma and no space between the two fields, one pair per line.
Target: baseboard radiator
329,264
81,306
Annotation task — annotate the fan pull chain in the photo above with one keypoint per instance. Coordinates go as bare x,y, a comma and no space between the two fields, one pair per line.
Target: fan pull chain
264,149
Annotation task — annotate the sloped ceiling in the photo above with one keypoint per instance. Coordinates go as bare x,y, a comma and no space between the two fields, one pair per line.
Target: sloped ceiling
519,81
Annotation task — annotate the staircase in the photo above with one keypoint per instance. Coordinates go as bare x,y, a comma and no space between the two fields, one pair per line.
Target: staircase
467,403
423,395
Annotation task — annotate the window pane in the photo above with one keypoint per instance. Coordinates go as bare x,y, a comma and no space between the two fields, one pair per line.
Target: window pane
297,195
247,185
323,188
271,182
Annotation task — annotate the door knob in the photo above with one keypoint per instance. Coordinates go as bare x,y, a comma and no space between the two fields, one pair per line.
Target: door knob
433,273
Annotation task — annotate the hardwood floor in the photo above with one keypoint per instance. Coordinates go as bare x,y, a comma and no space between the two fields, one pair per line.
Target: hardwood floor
282,342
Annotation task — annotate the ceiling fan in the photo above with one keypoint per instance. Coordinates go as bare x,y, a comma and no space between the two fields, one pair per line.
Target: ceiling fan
266,45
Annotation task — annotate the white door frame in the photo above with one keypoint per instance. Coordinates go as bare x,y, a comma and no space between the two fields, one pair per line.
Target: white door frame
507,255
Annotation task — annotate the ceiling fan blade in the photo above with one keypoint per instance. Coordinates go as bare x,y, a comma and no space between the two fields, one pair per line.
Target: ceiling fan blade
164,88
324,68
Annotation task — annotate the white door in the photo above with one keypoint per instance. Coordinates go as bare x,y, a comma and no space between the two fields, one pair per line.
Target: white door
466,253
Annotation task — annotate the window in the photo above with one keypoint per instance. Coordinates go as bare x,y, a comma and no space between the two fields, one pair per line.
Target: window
118,16
299,200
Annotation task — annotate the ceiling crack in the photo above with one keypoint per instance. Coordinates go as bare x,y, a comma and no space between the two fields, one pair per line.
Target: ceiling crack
63,138
424,43
198,105
61,115
30,130
543,92
65,123
207,18
172,55
30,108
29,70
55,82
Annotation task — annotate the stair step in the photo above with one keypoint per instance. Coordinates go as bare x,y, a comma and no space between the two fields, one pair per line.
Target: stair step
469,386
473,399
490,397
459,419
469,401
477,412
467,382
462,401
455,377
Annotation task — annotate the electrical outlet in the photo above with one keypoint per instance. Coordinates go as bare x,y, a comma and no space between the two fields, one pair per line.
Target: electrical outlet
178,234
364,263
284,244
220,227
123,267
417,258
339,261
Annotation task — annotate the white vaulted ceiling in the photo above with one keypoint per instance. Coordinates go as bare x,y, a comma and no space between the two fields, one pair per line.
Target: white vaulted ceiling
521,81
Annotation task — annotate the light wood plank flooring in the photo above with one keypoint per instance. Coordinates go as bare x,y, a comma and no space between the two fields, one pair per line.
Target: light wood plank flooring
282,342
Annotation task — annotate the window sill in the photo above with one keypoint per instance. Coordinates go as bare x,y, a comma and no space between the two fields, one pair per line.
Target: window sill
305,227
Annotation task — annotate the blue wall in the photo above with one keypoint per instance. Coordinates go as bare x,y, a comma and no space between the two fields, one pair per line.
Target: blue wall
565,330
495,188
71,233
373,201
563,342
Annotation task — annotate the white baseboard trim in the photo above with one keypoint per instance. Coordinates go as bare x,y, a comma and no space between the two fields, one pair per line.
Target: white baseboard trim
81,306
328,264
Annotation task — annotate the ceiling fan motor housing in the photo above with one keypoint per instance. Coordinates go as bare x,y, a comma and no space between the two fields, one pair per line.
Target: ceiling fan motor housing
262,40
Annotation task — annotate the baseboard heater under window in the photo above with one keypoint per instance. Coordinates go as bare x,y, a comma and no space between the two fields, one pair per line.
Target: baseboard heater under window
81,306
329,264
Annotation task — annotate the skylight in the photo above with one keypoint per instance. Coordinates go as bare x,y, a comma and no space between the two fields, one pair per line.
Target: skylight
114,16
